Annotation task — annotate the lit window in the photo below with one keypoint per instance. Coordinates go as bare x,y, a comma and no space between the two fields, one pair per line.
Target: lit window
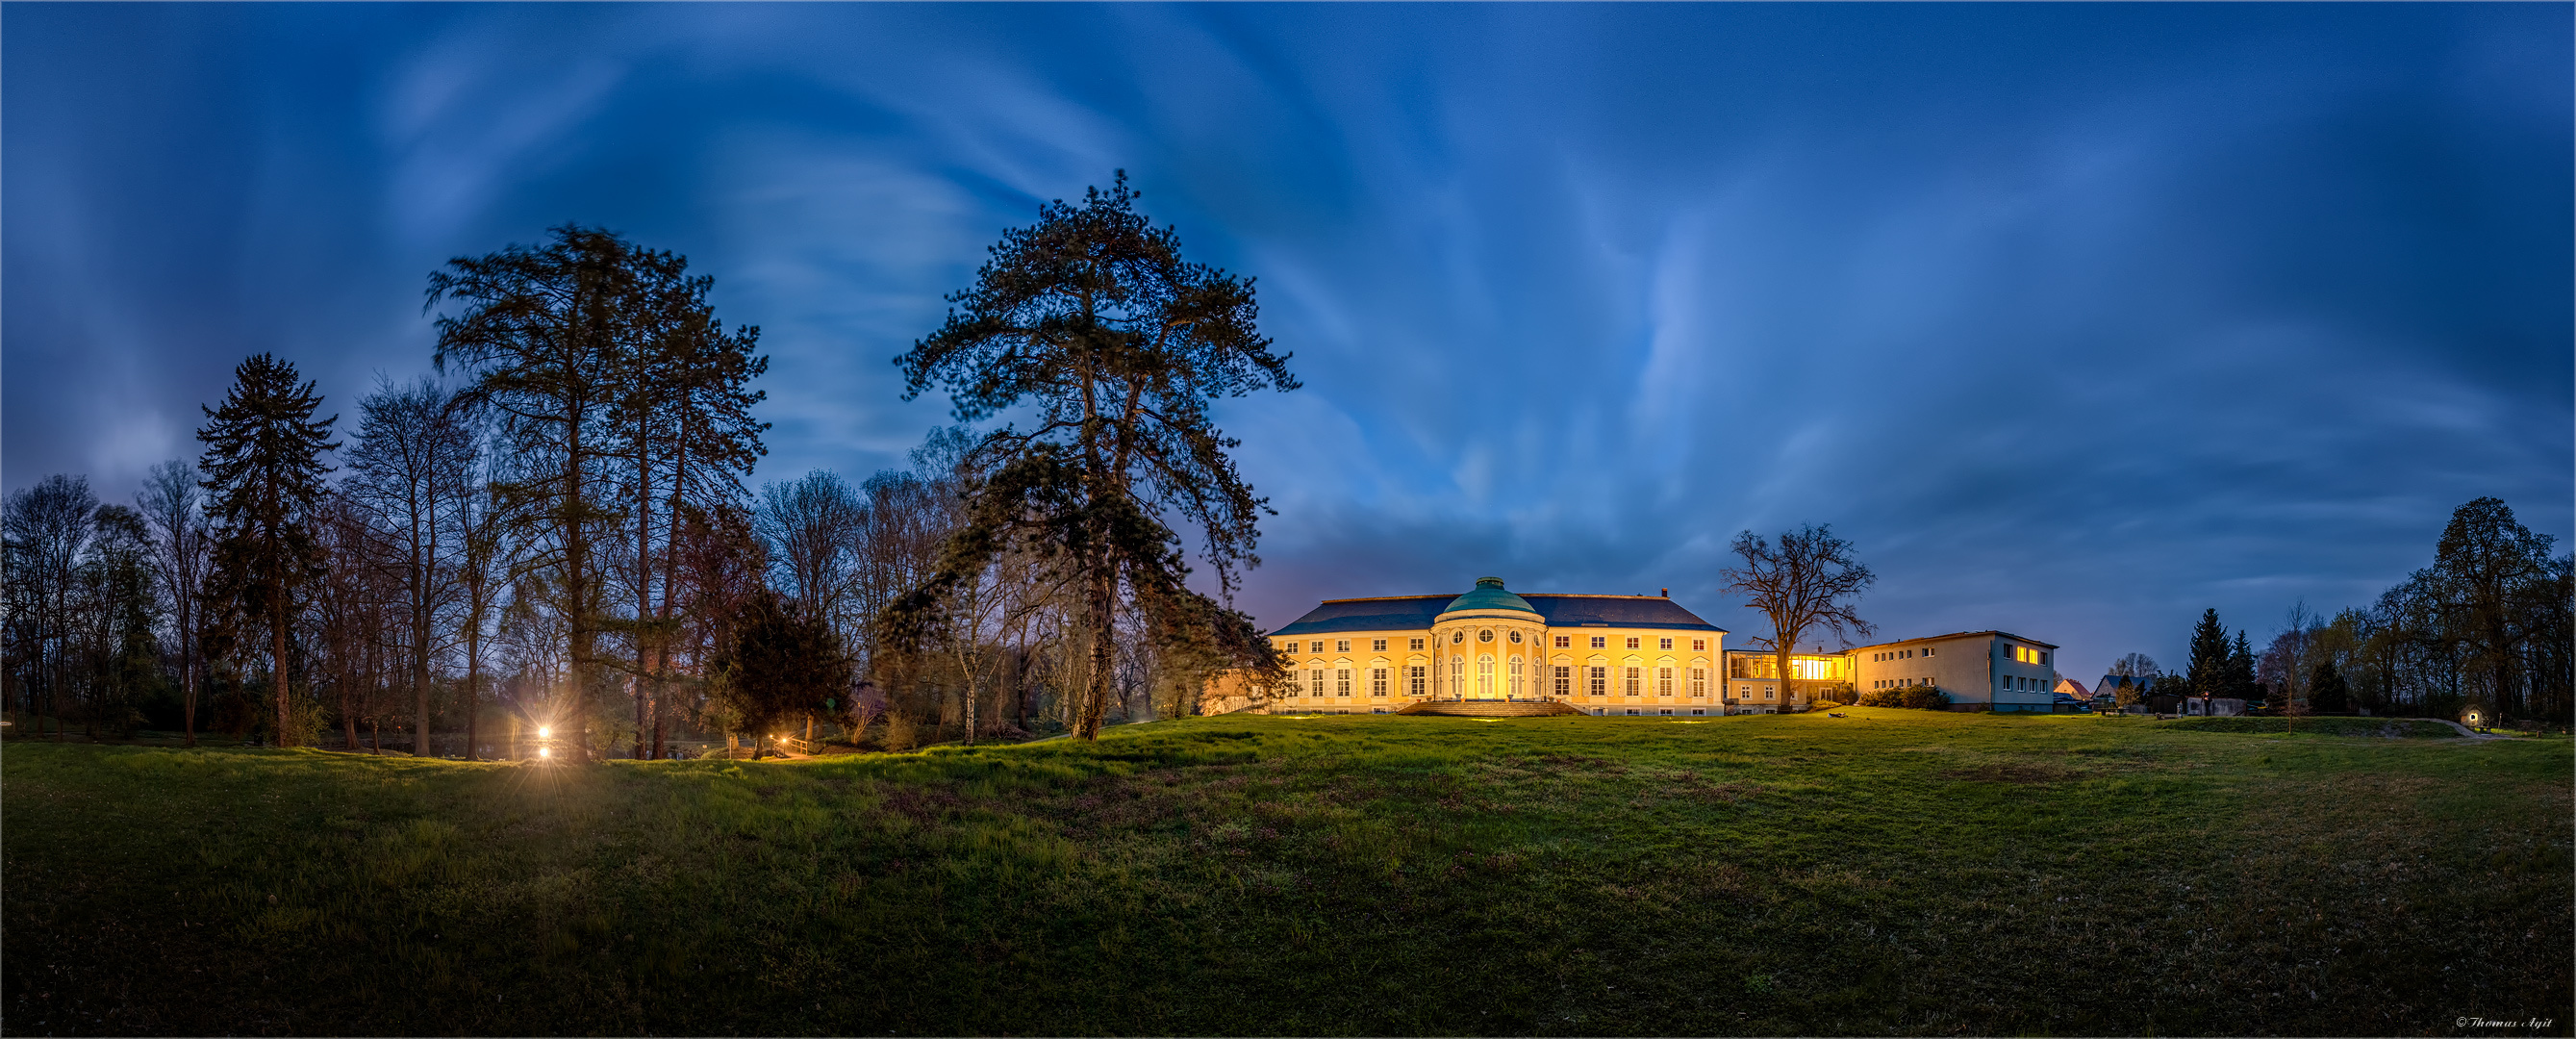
1377,682
1632,643
1599,642
1663,644
1377,645
1342,682
1664,681
1635,679
1600,681
1565,642
1564,681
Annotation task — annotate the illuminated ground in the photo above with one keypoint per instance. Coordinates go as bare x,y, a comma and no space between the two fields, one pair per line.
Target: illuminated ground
1893,871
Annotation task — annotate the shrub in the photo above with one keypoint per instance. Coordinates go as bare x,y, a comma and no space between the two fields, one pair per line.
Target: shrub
1914,697
898,731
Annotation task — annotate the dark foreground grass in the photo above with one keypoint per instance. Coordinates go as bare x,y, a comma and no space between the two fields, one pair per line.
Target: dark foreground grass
1891,872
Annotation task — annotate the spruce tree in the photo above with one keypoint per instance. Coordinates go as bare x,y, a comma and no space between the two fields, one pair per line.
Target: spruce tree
2206,674
2239,682
263,466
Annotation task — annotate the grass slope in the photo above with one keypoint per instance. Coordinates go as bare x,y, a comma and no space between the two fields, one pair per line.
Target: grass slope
1891,872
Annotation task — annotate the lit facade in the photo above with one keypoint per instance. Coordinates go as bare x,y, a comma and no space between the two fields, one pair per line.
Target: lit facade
1615,655
1642,655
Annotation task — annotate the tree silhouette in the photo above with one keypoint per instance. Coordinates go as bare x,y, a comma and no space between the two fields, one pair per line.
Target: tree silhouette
1809,581
781,659
1093,321
263,466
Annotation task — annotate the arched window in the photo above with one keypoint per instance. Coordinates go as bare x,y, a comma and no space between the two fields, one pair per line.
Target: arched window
1457,677
1514,689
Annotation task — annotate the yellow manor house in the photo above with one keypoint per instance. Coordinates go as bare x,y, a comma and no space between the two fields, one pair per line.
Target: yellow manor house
1492,651
1632,654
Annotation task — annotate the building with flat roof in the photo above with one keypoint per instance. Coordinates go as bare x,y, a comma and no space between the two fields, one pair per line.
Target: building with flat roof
1980,670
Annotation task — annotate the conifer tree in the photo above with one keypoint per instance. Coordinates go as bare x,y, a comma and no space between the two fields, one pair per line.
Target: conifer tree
263,466
541,337
2239,681
2206,673
1093,321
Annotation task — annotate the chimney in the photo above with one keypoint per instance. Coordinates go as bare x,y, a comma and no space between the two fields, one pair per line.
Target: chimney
1668,593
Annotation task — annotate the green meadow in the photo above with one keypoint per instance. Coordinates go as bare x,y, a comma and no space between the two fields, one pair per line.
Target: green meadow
1889,872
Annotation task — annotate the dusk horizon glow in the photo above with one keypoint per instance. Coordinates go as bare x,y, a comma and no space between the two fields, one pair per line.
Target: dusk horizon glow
2074,319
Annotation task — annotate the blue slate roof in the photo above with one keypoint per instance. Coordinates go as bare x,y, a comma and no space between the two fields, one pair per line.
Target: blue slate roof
1415,613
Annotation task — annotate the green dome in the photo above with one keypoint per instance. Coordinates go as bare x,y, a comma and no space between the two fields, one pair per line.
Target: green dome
1489,595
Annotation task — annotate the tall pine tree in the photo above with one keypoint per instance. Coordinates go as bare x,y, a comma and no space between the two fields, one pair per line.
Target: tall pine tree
1115,344
263,466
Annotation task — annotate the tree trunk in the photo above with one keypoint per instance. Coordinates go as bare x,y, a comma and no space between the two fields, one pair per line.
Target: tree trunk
473,692
1102,593
1782,652
277,663
188,666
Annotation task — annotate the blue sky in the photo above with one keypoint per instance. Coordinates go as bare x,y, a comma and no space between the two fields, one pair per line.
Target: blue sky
2075,319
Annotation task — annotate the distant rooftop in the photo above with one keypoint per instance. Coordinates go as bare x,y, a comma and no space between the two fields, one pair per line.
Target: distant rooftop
1955,635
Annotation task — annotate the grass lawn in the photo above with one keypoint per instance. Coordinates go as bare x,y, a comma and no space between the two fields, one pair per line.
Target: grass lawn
1890,872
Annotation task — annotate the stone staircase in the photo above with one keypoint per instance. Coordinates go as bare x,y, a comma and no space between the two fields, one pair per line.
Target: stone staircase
1490,708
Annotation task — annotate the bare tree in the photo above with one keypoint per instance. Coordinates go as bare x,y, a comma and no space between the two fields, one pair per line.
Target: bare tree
1809,582
814,527
48,529
483,563
410,461
174,505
